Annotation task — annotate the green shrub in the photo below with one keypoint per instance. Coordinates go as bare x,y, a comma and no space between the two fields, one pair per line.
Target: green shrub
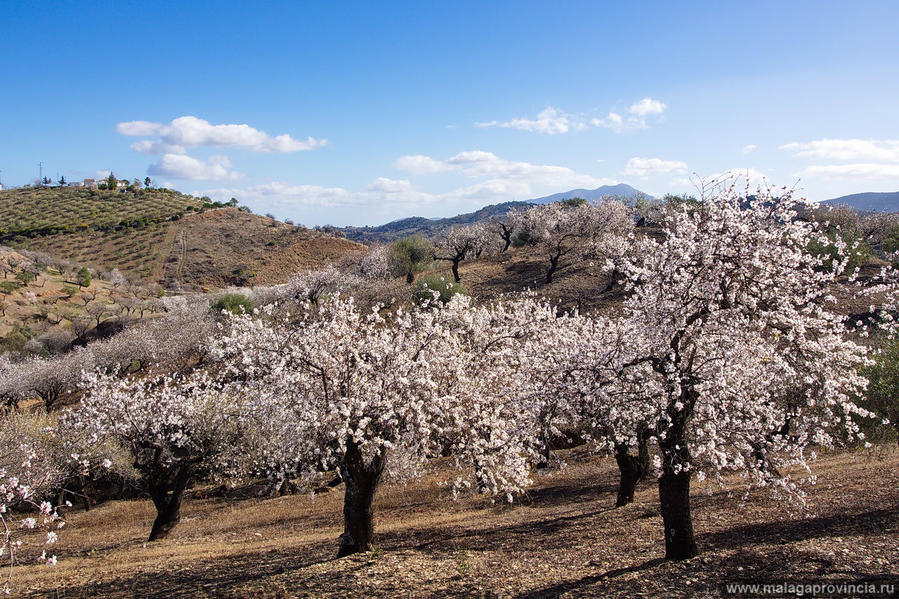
409,256
9,286
858,251
26,276
436,287
235,303
882,396
83,277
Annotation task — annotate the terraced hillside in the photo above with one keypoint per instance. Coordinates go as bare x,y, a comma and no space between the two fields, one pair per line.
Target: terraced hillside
32,212
123,229
160,235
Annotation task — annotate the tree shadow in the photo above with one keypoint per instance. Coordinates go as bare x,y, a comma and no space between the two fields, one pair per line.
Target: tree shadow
207,577
567,494
572,585
838,525
549,533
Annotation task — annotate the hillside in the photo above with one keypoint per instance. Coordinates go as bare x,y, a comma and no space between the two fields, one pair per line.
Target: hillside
868,202
163,236
120,229
224,247
45,301
564,539
32,212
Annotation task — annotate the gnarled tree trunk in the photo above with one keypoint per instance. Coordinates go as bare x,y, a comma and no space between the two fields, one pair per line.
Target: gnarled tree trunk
361,480
167,491
456,276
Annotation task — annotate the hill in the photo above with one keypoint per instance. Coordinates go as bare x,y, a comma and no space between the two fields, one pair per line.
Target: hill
622,190
869,201
424,226
226,246
160,235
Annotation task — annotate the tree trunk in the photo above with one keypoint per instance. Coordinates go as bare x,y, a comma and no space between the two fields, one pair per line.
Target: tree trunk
543,460
456,271
674,497
633,468
167,492
361,483
553,266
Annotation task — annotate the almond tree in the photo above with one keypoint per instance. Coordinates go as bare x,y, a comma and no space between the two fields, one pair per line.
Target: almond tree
565,233
52,378
461,243
735,320
176,428
365,393
19,480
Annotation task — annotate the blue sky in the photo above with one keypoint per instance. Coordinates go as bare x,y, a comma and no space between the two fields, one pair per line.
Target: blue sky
360,113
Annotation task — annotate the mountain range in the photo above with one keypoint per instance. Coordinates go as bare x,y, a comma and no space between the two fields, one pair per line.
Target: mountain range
428,227
869,201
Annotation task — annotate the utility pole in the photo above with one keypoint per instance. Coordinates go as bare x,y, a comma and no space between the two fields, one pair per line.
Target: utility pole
41,176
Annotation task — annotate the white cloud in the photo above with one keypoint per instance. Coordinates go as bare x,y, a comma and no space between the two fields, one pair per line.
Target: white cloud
181,166
643,167
613,121
866,170
287,195
552,121
190,131
847,149
419,165
481,164
385,185
138,128
493,179
549,121
646,107
149,146
749,148
101,174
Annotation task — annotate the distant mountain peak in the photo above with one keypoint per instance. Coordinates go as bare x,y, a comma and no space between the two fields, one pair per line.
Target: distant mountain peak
621,190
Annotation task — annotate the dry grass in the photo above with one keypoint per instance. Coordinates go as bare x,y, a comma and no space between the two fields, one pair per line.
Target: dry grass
562,540
226,247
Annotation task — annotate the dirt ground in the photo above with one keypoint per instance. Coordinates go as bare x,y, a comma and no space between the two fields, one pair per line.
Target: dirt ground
564,539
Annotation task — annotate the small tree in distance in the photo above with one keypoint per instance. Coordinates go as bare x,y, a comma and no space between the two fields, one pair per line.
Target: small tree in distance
461,243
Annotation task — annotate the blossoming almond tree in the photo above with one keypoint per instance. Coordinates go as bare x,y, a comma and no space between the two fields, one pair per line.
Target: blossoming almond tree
565,233
176,428
364,392
22,478
735,318
462,243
